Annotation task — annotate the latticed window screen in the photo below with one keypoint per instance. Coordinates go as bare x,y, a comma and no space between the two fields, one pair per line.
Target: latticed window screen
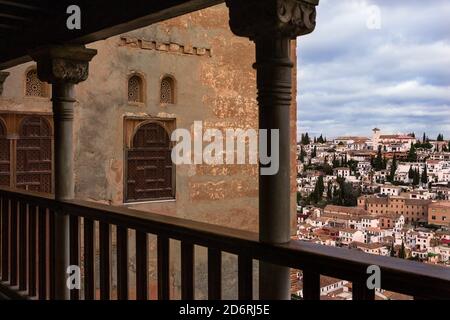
4,156
167,90
135,93
34,86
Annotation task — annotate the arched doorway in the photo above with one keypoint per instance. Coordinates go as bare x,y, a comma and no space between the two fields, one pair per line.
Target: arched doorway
149,165
34,155
5,156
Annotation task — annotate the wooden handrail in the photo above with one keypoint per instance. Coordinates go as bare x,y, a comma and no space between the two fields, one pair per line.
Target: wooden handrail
398,275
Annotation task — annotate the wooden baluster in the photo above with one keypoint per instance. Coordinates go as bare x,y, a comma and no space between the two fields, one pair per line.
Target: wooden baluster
187,271
361,291
311,285
141,266
42,253
22,246
5,239
51,253
214,274
13,241
163,268
74,234
32,241
122,263
245,278
105,261
89,279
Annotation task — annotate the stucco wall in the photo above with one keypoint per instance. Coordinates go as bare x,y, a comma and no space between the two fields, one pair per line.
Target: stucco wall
215,83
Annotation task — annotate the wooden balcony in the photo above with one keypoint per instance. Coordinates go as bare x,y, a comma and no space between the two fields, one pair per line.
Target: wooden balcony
27,254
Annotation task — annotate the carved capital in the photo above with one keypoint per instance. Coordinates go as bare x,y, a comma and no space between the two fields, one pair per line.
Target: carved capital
63,64
3,76
284,18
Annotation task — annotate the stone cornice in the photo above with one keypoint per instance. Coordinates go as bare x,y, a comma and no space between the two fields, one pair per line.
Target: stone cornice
64,64
262,18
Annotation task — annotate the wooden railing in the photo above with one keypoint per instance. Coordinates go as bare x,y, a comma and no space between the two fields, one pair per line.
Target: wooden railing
27,252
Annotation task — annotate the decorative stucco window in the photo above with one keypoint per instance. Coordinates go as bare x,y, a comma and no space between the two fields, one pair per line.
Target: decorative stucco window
167,90
135,89
35,87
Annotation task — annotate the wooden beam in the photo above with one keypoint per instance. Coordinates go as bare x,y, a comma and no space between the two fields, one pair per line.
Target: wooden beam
100,20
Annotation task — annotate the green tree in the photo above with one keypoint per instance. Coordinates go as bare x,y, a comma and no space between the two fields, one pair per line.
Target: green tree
424,139
402,253
319,188
336,162
416,177
305,139
412,154
440,137
411,173
329,191
424,177
302,154
378,162
314,152
353,165
391,177
392,251
346,195
299,197
320,139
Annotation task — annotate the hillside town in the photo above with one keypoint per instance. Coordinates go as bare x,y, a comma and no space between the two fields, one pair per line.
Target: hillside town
386,195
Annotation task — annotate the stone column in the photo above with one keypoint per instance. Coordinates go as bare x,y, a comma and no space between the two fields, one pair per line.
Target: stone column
271,24
63,67
3,76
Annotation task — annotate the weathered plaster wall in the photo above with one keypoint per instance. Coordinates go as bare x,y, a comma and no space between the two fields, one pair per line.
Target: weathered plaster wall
215,83
13,97
217,87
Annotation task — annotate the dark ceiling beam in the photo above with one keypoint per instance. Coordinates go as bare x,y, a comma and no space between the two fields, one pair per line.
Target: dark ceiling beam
100,19
14,17
33,5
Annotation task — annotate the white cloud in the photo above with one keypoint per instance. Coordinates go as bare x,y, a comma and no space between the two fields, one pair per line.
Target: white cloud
351,78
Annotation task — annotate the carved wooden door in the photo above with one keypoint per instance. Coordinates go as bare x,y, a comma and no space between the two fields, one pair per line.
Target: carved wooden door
149,165
34,155
5,172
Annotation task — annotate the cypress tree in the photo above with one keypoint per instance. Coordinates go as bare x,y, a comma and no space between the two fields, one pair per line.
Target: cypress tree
412,155
378,163
393,169
424,178
411,173
314,152
416,178
402,253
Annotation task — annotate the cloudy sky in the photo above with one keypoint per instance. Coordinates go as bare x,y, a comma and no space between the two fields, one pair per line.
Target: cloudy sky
354,76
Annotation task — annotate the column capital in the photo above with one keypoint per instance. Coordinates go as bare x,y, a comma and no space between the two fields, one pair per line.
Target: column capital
283,18
3,76
63,63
